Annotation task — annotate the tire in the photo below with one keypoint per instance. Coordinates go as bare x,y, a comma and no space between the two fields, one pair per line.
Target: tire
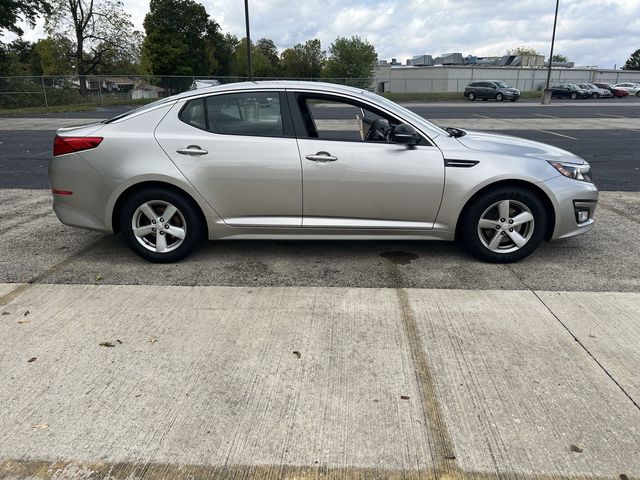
595,95
472,96
499,97
138,209
637,94
574,95
486,207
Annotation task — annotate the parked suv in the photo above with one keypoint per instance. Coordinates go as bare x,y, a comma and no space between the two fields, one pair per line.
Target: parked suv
491,89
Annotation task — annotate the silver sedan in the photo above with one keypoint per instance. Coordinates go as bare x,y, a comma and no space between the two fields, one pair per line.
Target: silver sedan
307,160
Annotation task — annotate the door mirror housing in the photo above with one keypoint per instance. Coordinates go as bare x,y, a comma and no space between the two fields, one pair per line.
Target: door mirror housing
406,135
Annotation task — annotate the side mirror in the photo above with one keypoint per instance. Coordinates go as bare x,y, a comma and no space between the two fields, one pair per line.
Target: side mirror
406,135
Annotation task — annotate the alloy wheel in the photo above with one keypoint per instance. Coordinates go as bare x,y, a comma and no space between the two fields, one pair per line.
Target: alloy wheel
506,226
159,226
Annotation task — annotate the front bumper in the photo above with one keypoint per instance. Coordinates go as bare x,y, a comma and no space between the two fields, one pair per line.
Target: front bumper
570,197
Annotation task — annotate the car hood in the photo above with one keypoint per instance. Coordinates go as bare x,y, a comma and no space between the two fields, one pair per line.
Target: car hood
507,145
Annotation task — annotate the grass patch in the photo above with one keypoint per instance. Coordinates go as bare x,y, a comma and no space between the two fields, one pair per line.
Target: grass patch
77,107
441,96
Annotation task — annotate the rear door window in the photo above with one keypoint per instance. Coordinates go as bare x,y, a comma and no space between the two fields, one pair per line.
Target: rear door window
245,113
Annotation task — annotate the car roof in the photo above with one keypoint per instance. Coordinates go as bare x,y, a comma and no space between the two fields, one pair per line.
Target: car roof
269,85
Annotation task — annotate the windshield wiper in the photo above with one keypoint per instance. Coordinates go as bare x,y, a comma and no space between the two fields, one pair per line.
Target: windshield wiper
455,132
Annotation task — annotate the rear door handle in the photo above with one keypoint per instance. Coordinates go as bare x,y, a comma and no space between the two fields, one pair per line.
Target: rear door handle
321,157
192,150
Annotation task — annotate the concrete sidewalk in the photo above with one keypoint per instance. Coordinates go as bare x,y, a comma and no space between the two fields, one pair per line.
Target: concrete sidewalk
285,382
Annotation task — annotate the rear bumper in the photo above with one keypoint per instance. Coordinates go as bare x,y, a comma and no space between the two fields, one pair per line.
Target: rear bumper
84,207
570,197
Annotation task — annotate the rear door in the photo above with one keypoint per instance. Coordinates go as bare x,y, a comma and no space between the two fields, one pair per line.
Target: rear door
352,181
238,149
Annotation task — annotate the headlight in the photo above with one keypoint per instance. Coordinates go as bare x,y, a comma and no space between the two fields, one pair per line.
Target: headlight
577,172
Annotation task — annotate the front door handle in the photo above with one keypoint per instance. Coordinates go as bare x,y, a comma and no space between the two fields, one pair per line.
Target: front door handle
192,150
321,157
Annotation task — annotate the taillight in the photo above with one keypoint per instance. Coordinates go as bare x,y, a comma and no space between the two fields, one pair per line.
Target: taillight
62,145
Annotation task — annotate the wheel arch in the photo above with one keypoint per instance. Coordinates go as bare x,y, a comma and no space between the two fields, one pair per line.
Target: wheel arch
536,190
136,187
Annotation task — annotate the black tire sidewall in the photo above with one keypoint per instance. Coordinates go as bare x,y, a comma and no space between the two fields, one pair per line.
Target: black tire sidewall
188,210
468,233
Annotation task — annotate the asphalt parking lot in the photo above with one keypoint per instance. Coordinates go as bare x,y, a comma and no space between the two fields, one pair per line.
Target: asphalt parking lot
313,360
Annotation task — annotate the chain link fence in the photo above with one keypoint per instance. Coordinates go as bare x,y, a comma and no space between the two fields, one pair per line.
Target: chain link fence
48,91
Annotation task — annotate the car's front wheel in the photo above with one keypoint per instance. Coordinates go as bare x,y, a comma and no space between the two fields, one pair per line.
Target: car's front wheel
160,226
574,95
499,97
504,225
472,96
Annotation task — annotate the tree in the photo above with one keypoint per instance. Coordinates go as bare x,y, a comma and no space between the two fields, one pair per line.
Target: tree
265,60
223,46
303,60
351,58
180,39
559,58
54,56
13,11
522,51
633,62
96,29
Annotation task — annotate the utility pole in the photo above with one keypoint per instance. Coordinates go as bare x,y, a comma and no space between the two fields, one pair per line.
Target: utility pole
546,97
246,18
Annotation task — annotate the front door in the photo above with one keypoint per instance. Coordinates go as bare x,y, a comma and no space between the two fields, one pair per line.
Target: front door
239,151
353,177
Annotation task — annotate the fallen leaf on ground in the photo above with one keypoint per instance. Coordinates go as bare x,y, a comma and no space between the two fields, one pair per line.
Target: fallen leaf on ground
23,321
98,278
119,341
153,339
450,456
6,313
297,354
575,448
623,477
106,344
32,359
41,426
404,397
27,313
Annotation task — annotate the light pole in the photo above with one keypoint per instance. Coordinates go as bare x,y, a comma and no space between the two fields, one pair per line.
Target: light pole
246,18
546,98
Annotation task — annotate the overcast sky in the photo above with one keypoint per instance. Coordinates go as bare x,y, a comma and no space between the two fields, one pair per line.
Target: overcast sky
590,32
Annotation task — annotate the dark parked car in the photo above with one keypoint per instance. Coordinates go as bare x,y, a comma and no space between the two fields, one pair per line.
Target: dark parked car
617,92
569,90
491,89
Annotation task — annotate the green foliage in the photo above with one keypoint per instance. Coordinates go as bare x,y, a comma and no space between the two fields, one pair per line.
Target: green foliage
12,11
223,46
54,56
559,58
180,38
351,58
303,60
523,51
96,33
633,62
264,58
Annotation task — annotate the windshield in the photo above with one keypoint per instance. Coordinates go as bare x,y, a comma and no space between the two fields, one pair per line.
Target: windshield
146,107
503,85
404,111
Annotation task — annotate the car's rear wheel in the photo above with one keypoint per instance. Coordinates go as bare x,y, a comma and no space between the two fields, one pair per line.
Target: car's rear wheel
499,97
504,225
160,226
472,96
574,95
